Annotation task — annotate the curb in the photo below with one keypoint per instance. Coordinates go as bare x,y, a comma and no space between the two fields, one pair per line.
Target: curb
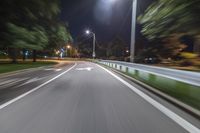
194,112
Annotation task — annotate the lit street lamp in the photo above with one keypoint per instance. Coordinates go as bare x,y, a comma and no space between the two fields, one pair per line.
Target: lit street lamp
94,40
133,28
68,46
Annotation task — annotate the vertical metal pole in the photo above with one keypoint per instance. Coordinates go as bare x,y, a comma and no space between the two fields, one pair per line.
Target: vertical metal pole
94,41
133,31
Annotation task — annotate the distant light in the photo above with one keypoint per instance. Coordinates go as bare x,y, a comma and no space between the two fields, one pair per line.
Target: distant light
112,0
68,46
87,32
108,1
57,52
127,51
61,54
26,53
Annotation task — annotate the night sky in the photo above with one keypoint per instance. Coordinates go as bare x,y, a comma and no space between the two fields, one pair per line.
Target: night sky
106,19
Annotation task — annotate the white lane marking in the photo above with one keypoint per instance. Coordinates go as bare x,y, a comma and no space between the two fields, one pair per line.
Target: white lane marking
34,89
13,81
179,120
49,69
7,81
85,69
30,81
57,70
53,69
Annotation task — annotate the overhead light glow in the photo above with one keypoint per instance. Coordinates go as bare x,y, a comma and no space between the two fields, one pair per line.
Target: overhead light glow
87,32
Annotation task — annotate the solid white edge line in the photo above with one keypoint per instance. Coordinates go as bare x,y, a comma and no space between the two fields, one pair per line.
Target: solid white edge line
176,118
34,89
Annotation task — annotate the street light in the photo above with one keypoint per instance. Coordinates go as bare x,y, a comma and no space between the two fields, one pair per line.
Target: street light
87,32
133,30
68,46
94,40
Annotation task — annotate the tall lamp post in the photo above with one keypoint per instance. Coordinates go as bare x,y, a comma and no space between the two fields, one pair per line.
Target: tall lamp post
133,31
68,47
94,42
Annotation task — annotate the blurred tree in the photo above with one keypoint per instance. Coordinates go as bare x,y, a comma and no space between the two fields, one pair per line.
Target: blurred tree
164,18
101,49
116,49
20,38
59,36
31,25
84,45
170,49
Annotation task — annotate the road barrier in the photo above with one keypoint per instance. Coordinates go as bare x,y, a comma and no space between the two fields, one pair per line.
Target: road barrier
185,92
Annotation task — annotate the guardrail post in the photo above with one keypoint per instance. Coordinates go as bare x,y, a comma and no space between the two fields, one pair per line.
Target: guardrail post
127,69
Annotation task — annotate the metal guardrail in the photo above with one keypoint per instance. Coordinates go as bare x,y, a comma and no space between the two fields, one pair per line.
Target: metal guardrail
192,78
182,85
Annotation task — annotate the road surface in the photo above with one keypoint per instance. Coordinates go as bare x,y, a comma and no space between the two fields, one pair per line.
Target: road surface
85,98
180,75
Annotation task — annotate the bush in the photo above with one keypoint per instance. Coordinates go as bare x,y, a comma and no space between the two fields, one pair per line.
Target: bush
187,55
3,55
185,63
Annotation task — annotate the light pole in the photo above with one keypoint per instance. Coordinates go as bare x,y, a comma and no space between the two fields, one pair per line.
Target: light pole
68,47
94,42
133,31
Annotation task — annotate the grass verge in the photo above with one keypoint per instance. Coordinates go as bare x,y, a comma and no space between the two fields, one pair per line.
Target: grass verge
184,92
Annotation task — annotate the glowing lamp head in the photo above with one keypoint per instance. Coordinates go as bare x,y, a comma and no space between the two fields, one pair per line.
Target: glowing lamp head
68,46
87,32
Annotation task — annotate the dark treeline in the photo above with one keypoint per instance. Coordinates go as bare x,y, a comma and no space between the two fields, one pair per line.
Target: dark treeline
117,49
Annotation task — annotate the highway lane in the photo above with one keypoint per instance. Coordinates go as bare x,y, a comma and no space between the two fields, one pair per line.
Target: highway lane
180,75
15,84
86,99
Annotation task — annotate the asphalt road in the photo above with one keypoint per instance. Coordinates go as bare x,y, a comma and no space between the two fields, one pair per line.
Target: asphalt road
86,98
180,75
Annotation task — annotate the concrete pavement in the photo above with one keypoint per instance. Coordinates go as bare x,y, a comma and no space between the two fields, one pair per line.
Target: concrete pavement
85,100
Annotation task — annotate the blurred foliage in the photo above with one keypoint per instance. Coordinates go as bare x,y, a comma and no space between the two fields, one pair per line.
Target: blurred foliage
59,36
116,48
84,46
167,48
19,37
169,20
31,25
165,17
187,55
